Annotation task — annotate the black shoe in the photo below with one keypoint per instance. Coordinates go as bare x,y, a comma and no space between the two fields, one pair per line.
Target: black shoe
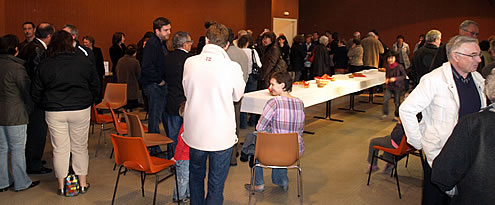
233,164
43,170
60,192
6,188
33,184
244,157
85,189
43,162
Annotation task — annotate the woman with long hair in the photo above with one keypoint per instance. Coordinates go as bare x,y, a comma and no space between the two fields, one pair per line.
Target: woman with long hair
65,87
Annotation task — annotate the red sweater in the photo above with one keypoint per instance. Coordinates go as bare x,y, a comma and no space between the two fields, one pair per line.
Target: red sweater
182,150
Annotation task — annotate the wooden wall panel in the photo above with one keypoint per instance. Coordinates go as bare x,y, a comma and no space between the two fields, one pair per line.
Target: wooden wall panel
258,15
391,17
102,18
280,6
2,16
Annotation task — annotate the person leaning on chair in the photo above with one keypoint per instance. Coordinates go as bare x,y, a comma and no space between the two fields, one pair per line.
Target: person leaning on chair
443,96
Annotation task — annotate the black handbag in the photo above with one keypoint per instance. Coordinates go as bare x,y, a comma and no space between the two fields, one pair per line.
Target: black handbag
256,70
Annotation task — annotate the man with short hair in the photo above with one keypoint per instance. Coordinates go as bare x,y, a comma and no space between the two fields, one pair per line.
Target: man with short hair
80,49
316,38
420,64
174,69
211,83
153,75
33,53
372,48
28,30
443,96
355,35
466,28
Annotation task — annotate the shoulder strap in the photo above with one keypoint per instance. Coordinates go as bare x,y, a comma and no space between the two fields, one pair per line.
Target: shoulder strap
82,49
253,57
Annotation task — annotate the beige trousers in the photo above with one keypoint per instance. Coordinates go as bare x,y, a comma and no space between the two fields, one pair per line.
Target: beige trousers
69,134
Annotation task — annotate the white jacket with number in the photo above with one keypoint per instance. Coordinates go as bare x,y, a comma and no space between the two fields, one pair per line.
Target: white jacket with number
212,82
437,99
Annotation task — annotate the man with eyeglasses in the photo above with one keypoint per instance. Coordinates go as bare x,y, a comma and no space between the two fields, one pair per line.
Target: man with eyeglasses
466,28
442,97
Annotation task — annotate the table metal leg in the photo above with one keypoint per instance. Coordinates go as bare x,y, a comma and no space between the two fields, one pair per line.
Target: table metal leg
328,113
351,105
371,96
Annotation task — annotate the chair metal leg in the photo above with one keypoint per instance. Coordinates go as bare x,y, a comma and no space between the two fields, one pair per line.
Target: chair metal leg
371,166
143,177
176,184
99,140
116,184
111,154
407,160
156,186
300,184
397,176
251,190
104,139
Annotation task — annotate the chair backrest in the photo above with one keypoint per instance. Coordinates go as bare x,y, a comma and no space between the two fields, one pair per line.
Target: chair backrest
116,92
277,149
116,121
95,118
131,152
134,126
404,148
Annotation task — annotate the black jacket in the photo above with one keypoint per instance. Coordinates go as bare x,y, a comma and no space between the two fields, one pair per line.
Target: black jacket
174,69
33,53
467,160
420,64
15,100
321,61
66,82
100,67
297,55
340,57
153,67
116,52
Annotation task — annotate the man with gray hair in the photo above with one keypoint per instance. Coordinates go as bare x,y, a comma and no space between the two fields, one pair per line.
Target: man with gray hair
174,68
372,48
466,28
443,96
80,49
420,64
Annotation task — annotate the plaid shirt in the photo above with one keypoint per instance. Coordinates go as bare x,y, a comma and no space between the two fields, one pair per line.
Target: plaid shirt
283,115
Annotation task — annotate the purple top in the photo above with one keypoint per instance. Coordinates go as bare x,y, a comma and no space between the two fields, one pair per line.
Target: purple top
283,115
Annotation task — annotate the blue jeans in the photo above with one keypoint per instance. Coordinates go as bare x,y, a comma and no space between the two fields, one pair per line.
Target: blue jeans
174,122
157,102
279,176
182,178
13,139
218,169
251,85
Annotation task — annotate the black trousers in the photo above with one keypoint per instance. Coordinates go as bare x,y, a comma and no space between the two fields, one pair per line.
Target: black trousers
36,139
431,193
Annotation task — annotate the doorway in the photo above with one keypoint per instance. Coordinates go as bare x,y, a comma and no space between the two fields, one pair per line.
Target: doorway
286,26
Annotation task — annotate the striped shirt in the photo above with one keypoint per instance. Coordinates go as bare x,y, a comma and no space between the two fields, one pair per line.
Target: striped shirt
283,115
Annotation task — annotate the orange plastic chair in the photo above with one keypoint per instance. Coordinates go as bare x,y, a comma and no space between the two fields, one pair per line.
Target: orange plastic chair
101,120
131,154
135,129
277,151
403,149
115,95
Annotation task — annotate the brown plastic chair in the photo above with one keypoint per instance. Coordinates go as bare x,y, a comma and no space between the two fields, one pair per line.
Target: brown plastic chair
120,127
277,151
115,95
403,149
131,154
101,120
135,129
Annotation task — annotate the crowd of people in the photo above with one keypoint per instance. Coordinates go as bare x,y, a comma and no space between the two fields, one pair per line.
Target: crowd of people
51,81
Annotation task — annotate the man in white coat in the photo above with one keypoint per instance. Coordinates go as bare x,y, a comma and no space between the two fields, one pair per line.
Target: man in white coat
211,83
442,97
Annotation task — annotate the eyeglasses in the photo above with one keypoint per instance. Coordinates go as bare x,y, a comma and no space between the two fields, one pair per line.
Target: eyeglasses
470,55
472,33
191,41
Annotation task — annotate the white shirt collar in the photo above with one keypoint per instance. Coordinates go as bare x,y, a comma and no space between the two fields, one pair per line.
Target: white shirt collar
42,42
183,50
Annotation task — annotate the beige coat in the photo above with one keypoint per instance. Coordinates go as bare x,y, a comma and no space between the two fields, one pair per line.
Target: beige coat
372,48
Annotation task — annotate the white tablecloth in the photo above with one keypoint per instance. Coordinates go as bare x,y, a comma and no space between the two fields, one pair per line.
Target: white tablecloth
254,102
